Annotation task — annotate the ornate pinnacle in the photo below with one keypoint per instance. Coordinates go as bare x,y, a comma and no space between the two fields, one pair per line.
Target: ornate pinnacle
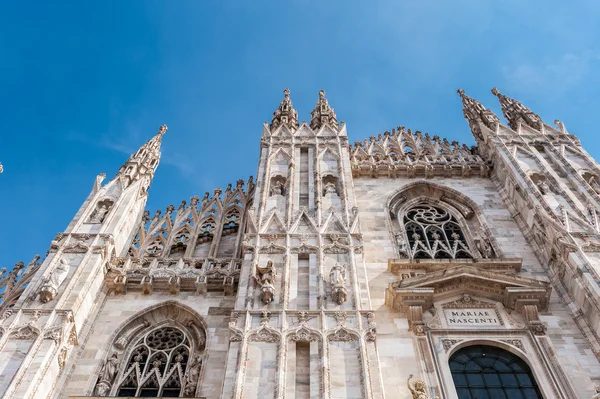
474,111
145,161
323,114
285,114
516,113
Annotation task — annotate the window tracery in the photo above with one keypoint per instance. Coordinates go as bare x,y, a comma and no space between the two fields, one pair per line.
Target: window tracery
157,365
157,353
434,233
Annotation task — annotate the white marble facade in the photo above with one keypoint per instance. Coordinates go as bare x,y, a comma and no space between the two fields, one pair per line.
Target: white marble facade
341,271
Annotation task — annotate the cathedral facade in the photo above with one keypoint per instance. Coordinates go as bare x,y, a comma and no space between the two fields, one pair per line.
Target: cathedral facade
403,266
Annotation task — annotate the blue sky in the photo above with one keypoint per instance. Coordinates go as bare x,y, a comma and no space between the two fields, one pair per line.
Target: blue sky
83,84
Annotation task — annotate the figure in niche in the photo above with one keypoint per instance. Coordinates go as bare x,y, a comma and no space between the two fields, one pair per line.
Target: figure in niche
402,246
485,248
51,283
592,181
100,212
330,188
192,376
418,390
543,187
277,188
107,375
266,278
337,279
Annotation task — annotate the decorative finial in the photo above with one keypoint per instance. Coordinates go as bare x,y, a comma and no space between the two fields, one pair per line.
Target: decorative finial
323,114
285,114
475,112
163,129
516,113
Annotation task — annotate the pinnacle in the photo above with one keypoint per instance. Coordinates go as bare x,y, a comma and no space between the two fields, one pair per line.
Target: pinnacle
475,112
285,114
323,114
517,113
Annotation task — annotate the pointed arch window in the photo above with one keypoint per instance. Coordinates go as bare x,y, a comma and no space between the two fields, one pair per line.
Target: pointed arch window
481,371
433,233
157,364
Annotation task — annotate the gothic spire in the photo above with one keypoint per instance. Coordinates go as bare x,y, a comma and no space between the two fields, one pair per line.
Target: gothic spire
474,111
285,114
516,113
323,114
145,161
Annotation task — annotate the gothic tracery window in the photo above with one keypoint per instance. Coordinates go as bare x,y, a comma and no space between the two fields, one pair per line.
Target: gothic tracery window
433,233
156,366
487,372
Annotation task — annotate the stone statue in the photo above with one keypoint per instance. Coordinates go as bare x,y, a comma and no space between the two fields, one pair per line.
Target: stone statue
597,394
418,389
330,188
192,376
485,248
266,278
402,246
277,188
594,184
99,214
543,187
51,283
107,375
337,279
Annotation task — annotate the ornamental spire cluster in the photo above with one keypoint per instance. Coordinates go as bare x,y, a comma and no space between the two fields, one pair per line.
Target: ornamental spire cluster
323,114
285,114
474,111
516,113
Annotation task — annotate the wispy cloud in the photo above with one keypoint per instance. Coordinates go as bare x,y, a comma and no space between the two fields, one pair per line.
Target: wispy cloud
129,140
557,76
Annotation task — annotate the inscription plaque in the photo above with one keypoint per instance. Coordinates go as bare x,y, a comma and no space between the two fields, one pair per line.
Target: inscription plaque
471,317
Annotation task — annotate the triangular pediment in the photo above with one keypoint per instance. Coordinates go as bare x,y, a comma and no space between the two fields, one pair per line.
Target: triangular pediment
274,225
511,290
281,155
327,130
304,131
333,224
304,225
328,153
577,224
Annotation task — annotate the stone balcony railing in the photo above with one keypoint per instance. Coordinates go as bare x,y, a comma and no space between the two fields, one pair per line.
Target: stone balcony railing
173,275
